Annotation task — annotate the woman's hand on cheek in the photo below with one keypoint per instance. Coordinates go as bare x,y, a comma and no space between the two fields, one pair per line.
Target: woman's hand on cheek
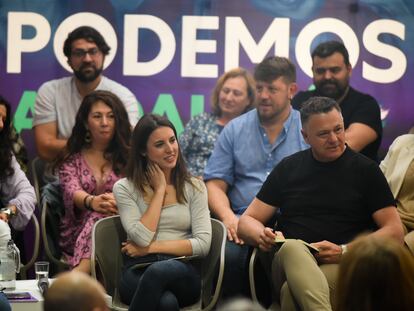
156,177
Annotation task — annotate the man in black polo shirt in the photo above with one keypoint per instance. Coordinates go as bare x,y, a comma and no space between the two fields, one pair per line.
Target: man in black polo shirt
327,195
362,116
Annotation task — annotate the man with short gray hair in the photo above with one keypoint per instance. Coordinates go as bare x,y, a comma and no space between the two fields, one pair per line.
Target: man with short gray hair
327,195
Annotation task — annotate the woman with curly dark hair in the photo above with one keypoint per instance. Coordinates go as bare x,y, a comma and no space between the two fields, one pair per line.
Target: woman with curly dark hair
93,160
17,195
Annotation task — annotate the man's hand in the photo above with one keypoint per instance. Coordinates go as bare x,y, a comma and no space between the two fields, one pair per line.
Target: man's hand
131,249
267,239
328,252
231,223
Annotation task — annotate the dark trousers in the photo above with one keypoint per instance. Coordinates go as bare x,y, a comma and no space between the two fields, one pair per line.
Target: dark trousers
4,304
236,276
163,286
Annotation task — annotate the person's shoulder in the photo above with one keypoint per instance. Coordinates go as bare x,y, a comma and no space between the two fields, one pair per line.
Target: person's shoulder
358,161
196,183
406,140
292,164
244,119
73,159
292,161
297,155
300,98
204,117
123,183
114,87
358,96
240,124
295,114
55,83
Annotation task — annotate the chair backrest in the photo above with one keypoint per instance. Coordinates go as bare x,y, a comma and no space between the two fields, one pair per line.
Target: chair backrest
49,222
212,268
38,167
35,252
107,237
260,279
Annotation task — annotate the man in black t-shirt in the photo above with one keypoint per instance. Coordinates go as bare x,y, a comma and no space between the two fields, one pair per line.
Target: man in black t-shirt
326,195
362,116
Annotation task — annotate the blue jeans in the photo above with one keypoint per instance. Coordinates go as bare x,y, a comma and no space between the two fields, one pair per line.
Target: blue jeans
4,303
236,276
164,286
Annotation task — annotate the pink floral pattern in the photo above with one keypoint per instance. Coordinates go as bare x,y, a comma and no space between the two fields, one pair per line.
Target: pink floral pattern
77,224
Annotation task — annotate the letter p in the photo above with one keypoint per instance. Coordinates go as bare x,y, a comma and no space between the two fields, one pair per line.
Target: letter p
16,45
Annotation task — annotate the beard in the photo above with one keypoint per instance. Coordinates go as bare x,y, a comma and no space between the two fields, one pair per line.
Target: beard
89,75
331,89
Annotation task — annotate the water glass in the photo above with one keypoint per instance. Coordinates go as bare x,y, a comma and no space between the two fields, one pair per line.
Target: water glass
41,269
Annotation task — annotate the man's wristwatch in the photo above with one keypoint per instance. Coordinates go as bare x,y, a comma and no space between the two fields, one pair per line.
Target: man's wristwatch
344,248
8,211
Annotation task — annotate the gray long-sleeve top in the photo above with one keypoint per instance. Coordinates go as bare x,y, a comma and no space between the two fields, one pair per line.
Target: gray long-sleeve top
17,190
190,220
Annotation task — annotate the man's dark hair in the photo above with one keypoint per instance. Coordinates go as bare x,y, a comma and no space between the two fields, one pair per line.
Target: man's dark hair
89,34
326,49
274,67
317,105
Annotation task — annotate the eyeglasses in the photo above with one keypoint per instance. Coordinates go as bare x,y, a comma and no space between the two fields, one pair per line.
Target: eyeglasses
82,53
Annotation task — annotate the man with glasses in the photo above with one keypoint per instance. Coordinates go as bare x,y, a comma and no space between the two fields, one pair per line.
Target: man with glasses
362,117
57,101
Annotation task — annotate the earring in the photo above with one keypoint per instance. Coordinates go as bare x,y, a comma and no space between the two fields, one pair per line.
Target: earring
88,137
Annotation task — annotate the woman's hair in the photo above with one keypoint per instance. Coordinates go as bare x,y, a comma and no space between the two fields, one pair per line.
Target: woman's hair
137,168
118,148
5,143
376,274
233,73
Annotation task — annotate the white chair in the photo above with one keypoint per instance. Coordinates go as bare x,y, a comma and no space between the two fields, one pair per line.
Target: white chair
261,263
50,228
35,252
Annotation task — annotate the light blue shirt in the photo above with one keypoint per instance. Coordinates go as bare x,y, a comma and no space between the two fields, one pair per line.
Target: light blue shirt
243,156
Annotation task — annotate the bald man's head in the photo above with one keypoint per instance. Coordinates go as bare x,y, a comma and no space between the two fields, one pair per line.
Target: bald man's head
75,291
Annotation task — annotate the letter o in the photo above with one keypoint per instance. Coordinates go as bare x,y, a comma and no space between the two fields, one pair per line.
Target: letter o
84,19
315,28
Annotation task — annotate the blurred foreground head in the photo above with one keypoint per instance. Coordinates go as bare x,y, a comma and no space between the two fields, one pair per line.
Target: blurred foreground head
376,274
75,291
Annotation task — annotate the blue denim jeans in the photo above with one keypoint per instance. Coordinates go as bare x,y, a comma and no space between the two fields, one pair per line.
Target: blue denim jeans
236,276
163,286
4,303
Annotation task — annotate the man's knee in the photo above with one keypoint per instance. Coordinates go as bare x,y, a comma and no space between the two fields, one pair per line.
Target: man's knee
236,255
168,302
292,249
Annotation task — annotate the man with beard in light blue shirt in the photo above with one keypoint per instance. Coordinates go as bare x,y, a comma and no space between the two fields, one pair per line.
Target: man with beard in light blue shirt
246,151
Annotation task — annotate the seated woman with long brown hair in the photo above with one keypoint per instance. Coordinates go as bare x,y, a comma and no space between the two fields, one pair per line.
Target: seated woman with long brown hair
165,214
93,160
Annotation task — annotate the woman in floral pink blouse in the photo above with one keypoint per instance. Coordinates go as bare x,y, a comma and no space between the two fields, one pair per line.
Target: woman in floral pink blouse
93,160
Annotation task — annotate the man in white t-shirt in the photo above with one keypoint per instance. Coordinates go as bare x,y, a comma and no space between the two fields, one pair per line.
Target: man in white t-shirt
57,101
